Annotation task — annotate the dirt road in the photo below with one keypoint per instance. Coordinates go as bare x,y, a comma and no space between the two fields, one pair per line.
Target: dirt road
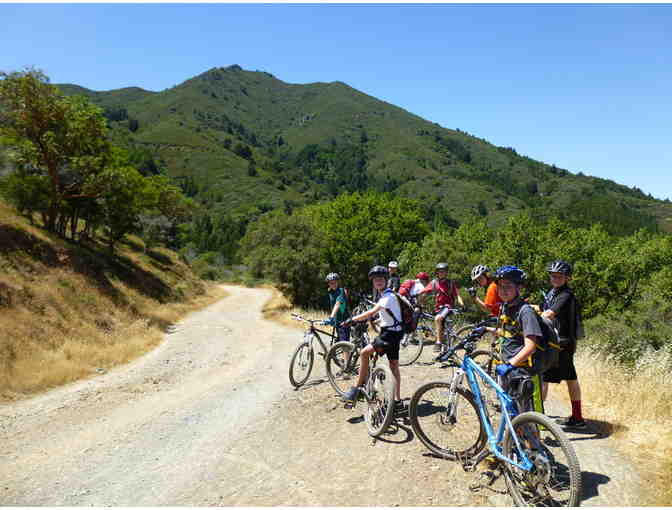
209,418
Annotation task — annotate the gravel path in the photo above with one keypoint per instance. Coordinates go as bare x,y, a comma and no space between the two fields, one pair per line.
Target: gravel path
209,418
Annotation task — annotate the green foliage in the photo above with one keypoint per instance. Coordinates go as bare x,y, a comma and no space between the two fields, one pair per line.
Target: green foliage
288,250
363,229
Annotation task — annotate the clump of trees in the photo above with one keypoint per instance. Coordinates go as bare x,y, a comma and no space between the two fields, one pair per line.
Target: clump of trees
347,235
69,174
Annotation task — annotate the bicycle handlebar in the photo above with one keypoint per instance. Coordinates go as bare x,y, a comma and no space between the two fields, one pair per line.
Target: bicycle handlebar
298,317
469,339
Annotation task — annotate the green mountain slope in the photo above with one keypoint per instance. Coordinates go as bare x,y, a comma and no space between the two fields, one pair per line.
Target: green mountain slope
248,142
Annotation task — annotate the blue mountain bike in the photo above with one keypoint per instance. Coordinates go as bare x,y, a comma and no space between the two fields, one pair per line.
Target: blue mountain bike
537,460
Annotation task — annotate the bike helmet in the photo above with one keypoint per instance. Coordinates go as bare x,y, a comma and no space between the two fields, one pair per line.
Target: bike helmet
511,273
393,263
378,271
442,266
560,266
422,276
331,277
478,271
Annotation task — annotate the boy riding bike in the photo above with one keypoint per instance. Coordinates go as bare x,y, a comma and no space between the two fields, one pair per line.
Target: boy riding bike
521,333
446,292
390,335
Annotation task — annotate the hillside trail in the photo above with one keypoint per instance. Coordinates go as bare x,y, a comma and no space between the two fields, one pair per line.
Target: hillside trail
209,418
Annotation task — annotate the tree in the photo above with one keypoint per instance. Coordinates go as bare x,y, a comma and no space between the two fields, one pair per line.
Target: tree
63,139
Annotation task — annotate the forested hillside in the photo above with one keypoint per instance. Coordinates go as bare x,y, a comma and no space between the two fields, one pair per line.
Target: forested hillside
243,143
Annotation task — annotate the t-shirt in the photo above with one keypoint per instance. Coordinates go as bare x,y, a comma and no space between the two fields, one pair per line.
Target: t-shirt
389,301
394,282
560,301
492,301
445,290
528,325
338,296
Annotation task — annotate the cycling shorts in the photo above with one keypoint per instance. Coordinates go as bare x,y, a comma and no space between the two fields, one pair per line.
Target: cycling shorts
388,342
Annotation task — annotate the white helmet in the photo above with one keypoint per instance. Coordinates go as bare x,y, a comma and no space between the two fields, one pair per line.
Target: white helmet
478,271
393,263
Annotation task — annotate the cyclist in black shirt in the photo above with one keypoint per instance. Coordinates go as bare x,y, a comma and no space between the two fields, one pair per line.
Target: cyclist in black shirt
394,280
562,308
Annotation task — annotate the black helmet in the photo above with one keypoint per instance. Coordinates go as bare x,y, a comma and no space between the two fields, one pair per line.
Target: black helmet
511,273
442,266
560,266
478,271
378,271
331,277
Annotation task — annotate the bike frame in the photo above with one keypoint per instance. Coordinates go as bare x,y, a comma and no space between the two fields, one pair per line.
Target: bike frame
509,409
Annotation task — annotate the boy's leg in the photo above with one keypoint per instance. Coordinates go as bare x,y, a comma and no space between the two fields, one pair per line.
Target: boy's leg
438,326
575,397
364,358
394,368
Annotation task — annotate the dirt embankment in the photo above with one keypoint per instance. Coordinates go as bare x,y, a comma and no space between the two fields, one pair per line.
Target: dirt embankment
209,418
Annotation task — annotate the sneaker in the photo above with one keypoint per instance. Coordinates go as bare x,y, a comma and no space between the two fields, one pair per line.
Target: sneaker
571,422
351,395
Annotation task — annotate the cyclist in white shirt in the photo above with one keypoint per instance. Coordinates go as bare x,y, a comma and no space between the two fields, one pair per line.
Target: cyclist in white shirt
390,335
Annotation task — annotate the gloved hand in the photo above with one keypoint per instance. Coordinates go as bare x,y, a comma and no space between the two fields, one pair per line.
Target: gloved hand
472,291
346,323
503,369
329,322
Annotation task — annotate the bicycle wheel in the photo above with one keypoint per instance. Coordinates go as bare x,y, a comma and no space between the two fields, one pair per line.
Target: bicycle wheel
342,364
380,404
447,423
410,348
301,364
555,479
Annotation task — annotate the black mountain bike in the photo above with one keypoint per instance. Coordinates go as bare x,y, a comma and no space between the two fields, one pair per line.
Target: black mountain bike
304,356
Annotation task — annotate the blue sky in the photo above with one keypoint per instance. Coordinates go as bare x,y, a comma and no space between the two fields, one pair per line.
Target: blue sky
585,87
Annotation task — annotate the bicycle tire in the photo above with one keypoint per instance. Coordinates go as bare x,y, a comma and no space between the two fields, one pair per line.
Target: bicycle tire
340,377
410,348
380,403
436,430
303,358
546,444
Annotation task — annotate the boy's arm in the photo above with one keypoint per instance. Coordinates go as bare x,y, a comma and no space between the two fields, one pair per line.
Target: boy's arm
365,315
528,349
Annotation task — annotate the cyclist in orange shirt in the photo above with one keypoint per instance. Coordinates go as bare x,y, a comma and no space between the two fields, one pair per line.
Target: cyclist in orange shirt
481,275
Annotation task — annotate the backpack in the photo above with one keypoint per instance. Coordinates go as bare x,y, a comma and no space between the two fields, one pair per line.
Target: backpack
405,288
408,320
547,353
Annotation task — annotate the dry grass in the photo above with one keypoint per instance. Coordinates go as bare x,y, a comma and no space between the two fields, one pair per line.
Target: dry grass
634,406
279,309
67,312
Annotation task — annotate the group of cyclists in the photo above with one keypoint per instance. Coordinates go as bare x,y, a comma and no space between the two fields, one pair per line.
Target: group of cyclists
502,300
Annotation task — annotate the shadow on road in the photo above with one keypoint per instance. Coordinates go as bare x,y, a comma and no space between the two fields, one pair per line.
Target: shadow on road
591,481
596,429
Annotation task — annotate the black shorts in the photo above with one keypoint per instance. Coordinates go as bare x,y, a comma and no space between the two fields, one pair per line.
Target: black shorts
565,370
388,341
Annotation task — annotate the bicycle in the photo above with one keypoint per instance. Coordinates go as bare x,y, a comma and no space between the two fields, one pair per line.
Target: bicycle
537,460
342,360
378,392
303,358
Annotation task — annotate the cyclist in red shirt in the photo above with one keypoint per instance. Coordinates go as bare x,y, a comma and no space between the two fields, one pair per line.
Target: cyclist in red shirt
446,292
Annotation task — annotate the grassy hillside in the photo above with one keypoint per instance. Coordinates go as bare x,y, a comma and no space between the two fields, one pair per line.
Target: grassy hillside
68,311
203,127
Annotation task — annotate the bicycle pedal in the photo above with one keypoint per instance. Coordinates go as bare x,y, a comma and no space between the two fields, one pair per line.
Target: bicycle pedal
348,405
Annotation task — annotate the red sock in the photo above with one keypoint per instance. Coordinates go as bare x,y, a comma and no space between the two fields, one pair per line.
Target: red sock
576,410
